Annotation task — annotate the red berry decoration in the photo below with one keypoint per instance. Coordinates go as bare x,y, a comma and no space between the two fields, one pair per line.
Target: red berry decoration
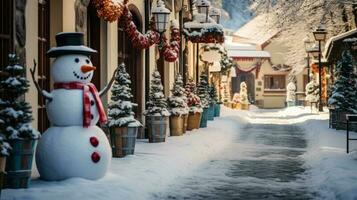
95,157
94,141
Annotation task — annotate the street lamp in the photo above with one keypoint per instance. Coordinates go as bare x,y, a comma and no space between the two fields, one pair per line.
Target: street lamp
161,16
307,43
203,7
215,14
320,36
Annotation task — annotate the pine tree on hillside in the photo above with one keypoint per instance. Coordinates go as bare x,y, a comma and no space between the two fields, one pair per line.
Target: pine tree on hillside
202,90
343,96
177,101
193,101
120,111
156,105
15,113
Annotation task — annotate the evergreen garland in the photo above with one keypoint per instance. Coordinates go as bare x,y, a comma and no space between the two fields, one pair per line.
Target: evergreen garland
178,101
343,96
156,105
120,112
15,113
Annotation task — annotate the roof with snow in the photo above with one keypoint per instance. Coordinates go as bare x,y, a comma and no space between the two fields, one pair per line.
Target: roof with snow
335,45
248,54
257,30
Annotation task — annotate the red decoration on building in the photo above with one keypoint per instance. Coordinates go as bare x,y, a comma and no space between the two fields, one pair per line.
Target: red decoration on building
109,10
170,51
94,141
95,157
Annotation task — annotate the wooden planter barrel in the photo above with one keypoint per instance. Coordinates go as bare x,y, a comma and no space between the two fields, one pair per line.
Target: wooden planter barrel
193,121
19,164
204,118
157,128
123,141
217,110
176,125
185,119
210,112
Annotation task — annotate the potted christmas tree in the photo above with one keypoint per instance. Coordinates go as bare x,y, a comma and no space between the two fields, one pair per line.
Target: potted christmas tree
15,124
343,97
123,125
213,101
290,94
244,102
178,108
217,108
194,104
202,90
157,114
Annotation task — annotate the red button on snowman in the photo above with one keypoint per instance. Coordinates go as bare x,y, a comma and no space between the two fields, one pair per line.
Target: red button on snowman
73,146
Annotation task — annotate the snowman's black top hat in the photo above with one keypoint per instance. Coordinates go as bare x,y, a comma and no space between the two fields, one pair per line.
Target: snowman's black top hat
70,43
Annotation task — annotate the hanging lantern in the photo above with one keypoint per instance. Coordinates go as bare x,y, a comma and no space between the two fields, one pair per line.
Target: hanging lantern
203,7
233,72
320,33
215,14
161,15
215,67
314,51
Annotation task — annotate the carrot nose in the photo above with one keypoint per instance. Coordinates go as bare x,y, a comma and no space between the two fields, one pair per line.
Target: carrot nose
87,68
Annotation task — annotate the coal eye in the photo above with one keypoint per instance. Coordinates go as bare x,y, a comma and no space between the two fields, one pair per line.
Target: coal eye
76,60
87,61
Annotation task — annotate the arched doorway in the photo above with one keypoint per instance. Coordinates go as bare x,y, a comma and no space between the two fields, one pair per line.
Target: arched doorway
93,40
132,58
249,79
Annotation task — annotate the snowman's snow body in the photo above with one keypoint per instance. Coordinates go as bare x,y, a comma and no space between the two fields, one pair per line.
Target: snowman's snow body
68,149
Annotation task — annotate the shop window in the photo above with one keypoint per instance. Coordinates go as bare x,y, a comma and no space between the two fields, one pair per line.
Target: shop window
274,82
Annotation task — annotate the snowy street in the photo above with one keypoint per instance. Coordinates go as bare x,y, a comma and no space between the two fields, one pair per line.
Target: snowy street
287,154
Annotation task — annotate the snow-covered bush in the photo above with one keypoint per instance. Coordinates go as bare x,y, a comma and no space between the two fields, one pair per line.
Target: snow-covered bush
5,147
344,96
157,104
178,100
236,98
202,90
243,93
193,101
120,111
312,91
290,94
15,113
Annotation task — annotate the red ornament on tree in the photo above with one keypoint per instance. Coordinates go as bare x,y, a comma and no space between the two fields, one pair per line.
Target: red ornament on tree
95,157
94,141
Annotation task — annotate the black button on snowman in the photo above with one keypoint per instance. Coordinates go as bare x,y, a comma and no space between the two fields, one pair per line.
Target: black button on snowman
73,146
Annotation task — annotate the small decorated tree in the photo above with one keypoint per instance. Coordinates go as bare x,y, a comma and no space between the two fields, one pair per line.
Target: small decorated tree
16,115
344,96
312,91
121,119
203,93
290,94
157,112
194,104
178,108
217,102
243,94
213,94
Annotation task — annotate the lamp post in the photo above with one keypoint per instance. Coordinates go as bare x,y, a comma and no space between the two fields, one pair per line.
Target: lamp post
215,14
320,36
161,16
203,7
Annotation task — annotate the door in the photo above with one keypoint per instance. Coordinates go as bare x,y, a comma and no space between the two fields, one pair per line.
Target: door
93,31
43,61
6,31
248,78
133,61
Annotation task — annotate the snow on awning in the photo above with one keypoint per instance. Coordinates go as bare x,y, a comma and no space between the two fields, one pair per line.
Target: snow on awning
248,54
335,45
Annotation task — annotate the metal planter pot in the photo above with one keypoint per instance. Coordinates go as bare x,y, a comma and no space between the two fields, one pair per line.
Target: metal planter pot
193,121
123,141
177,125
204,118
157,128
19,164
217,110
210,114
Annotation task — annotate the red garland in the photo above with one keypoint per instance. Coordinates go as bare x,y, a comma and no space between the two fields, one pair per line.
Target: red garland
170,51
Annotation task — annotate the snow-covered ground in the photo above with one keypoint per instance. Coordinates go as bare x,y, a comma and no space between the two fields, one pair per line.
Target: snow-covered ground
156,166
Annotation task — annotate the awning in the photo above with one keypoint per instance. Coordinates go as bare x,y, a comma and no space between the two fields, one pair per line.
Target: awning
248,54
335,45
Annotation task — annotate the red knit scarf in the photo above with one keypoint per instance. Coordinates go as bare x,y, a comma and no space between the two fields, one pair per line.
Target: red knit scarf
87,88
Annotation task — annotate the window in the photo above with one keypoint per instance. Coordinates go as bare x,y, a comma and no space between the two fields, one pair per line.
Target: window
6,31
274,82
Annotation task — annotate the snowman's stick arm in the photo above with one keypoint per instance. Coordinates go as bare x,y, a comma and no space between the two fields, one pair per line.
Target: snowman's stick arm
109,85
44,93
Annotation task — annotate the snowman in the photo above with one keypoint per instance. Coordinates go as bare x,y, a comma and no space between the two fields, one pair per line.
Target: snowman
73,146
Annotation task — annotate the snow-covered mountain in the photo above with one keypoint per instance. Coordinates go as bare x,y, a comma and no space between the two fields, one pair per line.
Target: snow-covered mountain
237,12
